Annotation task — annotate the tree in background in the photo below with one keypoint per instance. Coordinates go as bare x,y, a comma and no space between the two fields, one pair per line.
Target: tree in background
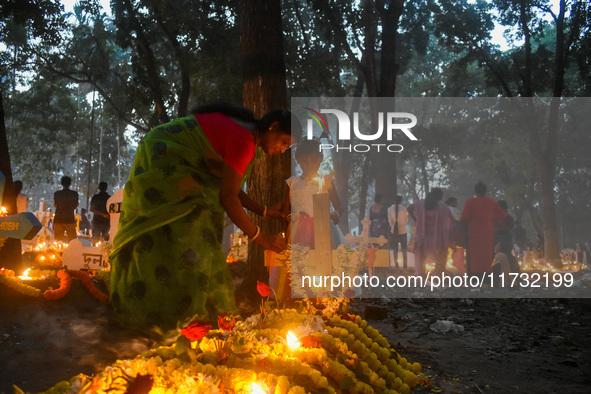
20,22
526,71
264,89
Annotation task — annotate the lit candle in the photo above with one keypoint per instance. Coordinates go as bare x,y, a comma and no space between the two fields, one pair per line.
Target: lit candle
26,276
292,341
256,389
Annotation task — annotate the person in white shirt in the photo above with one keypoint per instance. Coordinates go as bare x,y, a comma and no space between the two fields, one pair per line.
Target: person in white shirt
22,200
398,219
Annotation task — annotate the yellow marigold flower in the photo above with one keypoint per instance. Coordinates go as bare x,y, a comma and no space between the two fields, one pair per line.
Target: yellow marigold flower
373,378
411,379
402,361
296,390
404,388
374,347
391,364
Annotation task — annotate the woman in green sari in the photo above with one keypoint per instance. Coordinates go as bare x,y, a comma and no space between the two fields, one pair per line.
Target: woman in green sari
167,262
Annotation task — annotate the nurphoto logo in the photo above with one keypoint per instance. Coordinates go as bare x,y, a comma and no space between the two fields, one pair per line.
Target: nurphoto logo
389,122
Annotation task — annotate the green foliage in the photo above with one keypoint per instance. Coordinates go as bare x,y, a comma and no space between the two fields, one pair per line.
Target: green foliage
148,60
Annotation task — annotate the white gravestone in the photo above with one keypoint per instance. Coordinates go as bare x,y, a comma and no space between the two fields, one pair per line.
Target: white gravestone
80,254
114,210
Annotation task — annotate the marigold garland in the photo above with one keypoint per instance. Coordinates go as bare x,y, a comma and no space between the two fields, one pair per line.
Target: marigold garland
15,284
65,285
344,355
85,279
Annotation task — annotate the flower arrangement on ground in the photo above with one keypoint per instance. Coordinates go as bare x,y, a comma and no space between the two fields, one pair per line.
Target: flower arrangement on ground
287,351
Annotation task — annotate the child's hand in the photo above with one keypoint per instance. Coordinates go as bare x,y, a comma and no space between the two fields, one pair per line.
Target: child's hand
334,215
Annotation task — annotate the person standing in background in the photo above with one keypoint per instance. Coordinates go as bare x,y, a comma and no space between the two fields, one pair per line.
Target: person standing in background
84,225
433,223
101,222
65,202
378,214
398,219
22,200
480,213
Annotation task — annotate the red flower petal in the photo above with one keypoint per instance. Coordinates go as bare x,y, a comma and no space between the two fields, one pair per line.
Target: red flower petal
263,289
226,322
196,330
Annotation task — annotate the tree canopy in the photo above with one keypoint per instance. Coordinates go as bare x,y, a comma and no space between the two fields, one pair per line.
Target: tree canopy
78,88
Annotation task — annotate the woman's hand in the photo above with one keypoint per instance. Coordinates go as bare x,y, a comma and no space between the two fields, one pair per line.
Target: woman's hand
275,212
274,242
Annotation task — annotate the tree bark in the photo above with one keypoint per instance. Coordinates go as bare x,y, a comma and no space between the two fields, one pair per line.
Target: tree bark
264,88
385,163
10,253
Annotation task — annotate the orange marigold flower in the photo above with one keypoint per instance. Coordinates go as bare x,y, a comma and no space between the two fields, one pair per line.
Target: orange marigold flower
263,289
311,341
226,322
347,316
196,330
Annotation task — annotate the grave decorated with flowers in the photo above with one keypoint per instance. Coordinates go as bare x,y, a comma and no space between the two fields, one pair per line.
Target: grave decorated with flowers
278,350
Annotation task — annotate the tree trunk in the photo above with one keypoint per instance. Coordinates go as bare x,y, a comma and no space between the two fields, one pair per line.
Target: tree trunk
264,88
363,190
385,165
10,253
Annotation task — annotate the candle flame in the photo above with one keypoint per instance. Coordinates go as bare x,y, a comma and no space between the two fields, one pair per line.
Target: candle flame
26,275
256,389
3,211
292,341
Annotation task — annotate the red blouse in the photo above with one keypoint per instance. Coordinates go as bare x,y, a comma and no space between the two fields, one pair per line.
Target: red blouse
230,140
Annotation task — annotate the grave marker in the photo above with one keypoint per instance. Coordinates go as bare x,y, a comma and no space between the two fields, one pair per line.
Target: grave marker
23,225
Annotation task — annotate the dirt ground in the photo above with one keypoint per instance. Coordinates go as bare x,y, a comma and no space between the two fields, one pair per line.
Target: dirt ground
501,345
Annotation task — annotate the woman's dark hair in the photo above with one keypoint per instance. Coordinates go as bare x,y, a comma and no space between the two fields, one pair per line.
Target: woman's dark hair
306,148
378,198
480,189
282,116
433,197
503,204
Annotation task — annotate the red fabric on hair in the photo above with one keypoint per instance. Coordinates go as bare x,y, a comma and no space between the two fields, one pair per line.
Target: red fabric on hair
231,141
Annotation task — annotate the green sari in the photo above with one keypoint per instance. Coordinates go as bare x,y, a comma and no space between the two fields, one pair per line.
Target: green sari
167,262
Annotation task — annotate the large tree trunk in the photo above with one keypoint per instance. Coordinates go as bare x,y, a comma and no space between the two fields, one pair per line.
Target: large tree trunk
10,253
385,165
264,88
